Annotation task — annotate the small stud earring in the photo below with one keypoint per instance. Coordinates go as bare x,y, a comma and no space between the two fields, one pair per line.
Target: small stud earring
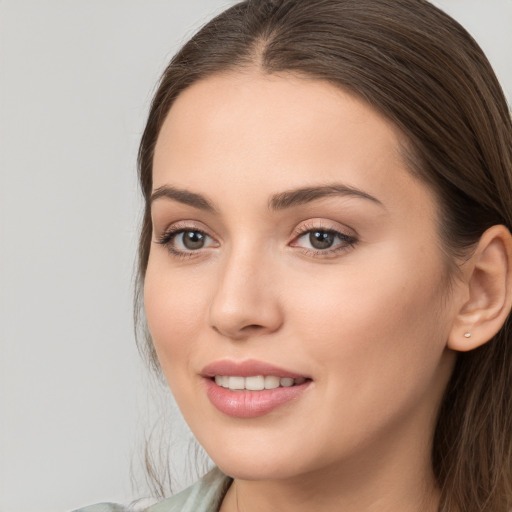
467,335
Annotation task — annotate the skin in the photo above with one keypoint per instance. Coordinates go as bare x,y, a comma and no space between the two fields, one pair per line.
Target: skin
368,322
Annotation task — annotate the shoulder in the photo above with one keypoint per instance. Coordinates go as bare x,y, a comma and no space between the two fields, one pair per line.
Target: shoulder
102,507
204,496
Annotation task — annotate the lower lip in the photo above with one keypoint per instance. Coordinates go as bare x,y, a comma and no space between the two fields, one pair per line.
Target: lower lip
251,404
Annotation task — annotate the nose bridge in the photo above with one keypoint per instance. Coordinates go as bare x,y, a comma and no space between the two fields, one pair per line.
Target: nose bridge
244,302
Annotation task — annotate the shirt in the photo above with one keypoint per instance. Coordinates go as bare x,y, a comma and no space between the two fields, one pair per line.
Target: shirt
206,495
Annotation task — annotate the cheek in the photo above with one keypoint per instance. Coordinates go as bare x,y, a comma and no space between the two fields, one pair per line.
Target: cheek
381,328
376,342
173,306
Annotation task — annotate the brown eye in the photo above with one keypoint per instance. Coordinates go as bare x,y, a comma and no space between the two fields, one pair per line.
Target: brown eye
321,239
323,243
192,240
186,241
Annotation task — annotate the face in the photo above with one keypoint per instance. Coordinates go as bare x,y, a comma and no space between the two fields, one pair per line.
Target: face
296,290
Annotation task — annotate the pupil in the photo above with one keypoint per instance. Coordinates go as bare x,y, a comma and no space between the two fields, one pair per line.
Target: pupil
321,239
193,240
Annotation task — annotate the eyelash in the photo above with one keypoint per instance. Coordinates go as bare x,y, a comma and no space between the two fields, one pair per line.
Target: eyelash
167,238
347,241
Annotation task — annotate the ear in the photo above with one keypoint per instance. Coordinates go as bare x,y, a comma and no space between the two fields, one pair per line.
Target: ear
488,291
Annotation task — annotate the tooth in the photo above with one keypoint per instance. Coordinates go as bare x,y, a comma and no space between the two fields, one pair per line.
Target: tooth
286,382
218,380
225,381
271,382
236,383
299,381
256,383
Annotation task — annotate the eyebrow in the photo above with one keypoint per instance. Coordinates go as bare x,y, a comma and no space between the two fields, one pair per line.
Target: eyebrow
281,201
182,196
305,195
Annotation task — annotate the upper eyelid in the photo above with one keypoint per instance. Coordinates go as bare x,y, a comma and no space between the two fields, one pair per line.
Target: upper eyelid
325,225
340,233
177,230
185,225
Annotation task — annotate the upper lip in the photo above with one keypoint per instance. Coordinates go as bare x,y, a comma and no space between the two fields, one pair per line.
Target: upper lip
247,368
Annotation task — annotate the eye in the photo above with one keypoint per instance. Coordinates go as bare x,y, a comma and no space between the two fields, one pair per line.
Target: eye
320,241
185,241
191,240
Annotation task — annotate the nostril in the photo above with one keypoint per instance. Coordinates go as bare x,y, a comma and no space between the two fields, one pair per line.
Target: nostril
252,327
240,333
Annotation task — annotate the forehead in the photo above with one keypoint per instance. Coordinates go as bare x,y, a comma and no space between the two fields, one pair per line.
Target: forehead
251,99
274,133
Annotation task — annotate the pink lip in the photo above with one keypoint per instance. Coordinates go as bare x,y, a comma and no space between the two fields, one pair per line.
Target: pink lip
249,404
246,369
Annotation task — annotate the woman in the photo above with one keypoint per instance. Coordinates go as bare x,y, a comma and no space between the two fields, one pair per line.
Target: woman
325,258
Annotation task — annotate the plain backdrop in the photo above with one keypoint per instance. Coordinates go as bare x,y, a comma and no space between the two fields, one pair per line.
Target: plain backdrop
75,82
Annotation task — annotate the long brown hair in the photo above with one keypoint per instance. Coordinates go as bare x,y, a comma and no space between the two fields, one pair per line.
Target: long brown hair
421,69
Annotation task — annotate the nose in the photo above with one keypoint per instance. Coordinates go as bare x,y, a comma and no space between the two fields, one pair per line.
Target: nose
245,302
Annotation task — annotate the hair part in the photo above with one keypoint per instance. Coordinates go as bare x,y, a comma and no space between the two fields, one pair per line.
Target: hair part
418,67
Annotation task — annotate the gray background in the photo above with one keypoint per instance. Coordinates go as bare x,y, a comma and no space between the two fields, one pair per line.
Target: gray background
75,81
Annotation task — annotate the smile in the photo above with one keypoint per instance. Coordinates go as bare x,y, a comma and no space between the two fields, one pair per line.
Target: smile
251,388
256,382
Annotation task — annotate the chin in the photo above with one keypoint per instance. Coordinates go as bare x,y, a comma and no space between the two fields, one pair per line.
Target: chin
263,460
252,470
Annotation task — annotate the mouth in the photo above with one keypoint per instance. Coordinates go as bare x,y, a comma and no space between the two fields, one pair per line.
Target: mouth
250,389
256,382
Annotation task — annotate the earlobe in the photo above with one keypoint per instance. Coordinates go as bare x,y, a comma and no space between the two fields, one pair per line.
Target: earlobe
488,282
